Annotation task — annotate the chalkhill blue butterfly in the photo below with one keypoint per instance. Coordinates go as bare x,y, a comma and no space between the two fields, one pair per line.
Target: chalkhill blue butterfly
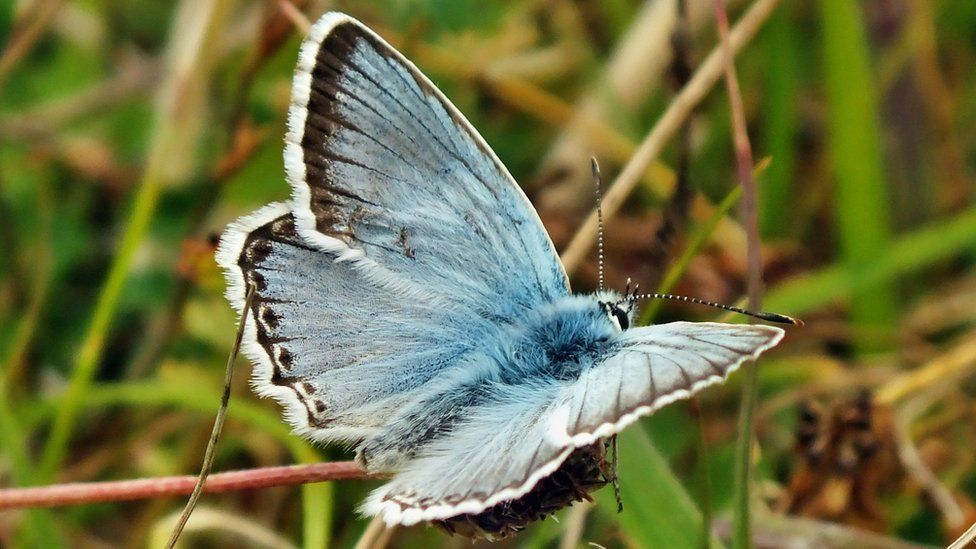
409,302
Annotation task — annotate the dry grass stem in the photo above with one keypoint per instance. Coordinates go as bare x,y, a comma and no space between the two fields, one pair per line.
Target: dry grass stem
575,525
296,16
913,463
785,531
218,425
228,523
966,539
375,536
957,363
38,20
633,71
670,122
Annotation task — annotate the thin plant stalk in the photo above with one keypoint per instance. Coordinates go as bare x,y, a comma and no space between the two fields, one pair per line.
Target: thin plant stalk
966,539
218,425
742,527
149,488
169,113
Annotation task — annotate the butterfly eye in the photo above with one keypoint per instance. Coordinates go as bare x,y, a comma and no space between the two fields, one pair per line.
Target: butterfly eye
621,317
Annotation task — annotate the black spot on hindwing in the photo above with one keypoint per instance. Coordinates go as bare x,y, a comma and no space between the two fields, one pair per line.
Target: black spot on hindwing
257,250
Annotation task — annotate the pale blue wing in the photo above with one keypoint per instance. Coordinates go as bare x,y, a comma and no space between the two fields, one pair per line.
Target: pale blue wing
341,351
653,366
385,171
504,448
498,453
408,243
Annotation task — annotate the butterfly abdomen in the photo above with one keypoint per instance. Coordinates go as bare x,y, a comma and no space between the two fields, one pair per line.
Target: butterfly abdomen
583,472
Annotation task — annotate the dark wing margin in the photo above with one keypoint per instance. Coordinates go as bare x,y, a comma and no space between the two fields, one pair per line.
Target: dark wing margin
384,170
340,350
244,246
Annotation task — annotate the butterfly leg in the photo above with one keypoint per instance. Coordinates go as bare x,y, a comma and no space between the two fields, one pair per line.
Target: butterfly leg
614,479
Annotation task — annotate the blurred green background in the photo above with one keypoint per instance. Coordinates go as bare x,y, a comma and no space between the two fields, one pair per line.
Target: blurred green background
133,131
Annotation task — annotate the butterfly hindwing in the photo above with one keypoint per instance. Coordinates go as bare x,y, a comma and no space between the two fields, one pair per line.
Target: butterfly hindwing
498,453
653,366
338,349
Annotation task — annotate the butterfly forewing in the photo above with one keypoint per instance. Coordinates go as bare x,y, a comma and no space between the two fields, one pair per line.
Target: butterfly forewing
411,243
384,168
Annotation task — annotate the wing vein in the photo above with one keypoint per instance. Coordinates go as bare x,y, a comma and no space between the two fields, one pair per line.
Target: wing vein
321,87
313,119
453,153
650,375
335,157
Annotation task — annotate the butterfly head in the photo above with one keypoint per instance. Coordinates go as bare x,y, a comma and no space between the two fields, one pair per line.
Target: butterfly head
619,308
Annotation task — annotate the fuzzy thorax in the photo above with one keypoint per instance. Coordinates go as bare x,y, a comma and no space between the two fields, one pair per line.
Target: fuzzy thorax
561,340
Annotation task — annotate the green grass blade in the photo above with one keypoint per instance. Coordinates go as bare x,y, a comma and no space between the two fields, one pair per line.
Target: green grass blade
908,253
780,119
317,507
742,494
858,169
169,116
658,511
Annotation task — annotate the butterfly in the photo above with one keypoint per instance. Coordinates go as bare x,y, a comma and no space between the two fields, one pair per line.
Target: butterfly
409,302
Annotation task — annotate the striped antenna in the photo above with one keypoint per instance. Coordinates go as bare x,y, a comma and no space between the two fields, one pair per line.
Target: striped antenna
599,219
762,315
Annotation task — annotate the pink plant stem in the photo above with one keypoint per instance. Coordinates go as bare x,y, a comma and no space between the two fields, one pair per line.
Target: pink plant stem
126,490
743,153
742,525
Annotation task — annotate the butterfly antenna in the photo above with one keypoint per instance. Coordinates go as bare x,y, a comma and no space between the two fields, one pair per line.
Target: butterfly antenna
762,315
208,457
632,297
599,218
